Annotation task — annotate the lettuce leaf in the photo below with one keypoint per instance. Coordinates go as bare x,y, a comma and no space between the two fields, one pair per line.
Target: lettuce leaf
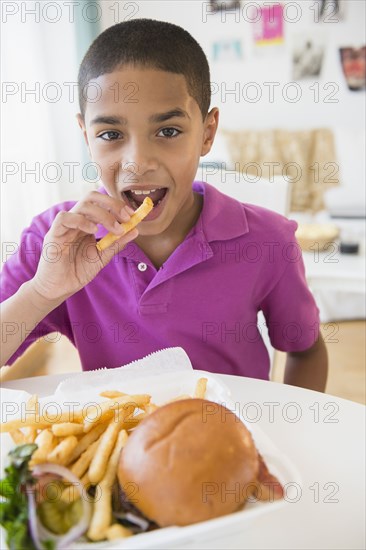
14,506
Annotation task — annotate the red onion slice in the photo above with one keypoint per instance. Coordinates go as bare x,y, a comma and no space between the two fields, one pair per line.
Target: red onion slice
35,526
142,523
38,531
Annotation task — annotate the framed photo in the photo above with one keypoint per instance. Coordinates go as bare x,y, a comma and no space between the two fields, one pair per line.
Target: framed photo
353,65
307,56
227,50
222,5
329,11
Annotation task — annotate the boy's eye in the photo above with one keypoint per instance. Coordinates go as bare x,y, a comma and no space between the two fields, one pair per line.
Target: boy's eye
169,132
111,135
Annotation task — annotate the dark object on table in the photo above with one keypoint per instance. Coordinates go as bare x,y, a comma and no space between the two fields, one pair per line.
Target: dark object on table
349,248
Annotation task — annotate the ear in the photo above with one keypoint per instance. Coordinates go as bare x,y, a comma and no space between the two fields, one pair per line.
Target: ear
81,123
210,128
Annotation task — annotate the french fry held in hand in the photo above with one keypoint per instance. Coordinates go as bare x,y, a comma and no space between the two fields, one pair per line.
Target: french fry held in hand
136,218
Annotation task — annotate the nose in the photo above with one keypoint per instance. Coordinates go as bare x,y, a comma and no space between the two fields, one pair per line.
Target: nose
139,157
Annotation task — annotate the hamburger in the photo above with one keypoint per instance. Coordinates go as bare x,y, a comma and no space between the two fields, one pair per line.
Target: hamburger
193,460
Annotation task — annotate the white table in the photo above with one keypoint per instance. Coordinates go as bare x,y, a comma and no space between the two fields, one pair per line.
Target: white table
323,436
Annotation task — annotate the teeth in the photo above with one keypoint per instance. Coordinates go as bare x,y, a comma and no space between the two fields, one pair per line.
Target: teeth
141,192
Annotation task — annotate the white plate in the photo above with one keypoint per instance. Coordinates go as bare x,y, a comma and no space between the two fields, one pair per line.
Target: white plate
162,388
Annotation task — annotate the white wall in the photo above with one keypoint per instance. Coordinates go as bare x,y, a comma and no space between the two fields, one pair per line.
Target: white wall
324,102
271,64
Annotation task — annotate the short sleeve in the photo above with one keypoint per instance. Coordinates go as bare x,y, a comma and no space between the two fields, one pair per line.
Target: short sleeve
19,268
290,309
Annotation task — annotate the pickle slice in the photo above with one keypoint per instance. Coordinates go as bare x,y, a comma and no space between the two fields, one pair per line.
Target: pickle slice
58,516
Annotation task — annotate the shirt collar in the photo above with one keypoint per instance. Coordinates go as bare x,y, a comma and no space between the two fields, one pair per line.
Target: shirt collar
222,217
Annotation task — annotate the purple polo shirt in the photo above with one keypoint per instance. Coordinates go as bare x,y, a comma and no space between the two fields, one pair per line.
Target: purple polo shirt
237,260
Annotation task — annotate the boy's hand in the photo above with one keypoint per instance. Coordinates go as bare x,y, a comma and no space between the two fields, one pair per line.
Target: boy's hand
70,258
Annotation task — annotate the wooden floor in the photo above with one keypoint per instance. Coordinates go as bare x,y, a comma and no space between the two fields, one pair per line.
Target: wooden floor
345,343
347,360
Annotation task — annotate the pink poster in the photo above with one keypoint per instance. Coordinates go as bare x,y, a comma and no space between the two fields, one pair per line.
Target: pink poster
268,25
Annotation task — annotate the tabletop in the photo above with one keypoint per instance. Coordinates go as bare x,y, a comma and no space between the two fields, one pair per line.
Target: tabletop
324,436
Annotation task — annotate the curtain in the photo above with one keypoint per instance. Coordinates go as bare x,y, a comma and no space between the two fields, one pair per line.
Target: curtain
306,158
44,159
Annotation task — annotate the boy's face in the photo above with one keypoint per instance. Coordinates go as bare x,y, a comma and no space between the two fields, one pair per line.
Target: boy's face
146,133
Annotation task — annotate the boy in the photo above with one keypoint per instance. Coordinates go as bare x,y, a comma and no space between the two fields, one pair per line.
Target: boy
188,276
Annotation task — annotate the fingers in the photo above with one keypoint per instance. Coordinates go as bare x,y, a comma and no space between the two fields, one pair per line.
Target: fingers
70,220
95,209
95,203
96,214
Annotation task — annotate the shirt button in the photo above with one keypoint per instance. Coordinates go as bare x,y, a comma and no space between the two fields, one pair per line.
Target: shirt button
142,266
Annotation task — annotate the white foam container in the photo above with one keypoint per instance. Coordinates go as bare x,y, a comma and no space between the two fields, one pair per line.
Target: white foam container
165,375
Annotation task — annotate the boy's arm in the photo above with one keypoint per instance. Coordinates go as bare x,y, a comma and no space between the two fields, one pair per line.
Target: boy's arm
308,369
71,263
26,308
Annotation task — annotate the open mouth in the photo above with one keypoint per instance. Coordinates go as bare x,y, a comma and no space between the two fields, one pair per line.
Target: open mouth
135,197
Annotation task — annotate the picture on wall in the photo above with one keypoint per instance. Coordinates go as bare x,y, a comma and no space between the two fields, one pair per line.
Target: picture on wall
222,5
268,26
307,56
329,11
353,64
227,50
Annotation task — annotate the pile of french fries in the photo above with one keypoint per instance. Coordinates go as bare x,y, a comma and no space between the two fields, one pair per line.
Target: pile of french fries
89,446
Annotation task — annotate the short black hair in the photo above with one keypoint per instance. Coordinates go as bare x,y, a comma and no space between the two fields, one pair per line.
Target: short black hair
148,43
